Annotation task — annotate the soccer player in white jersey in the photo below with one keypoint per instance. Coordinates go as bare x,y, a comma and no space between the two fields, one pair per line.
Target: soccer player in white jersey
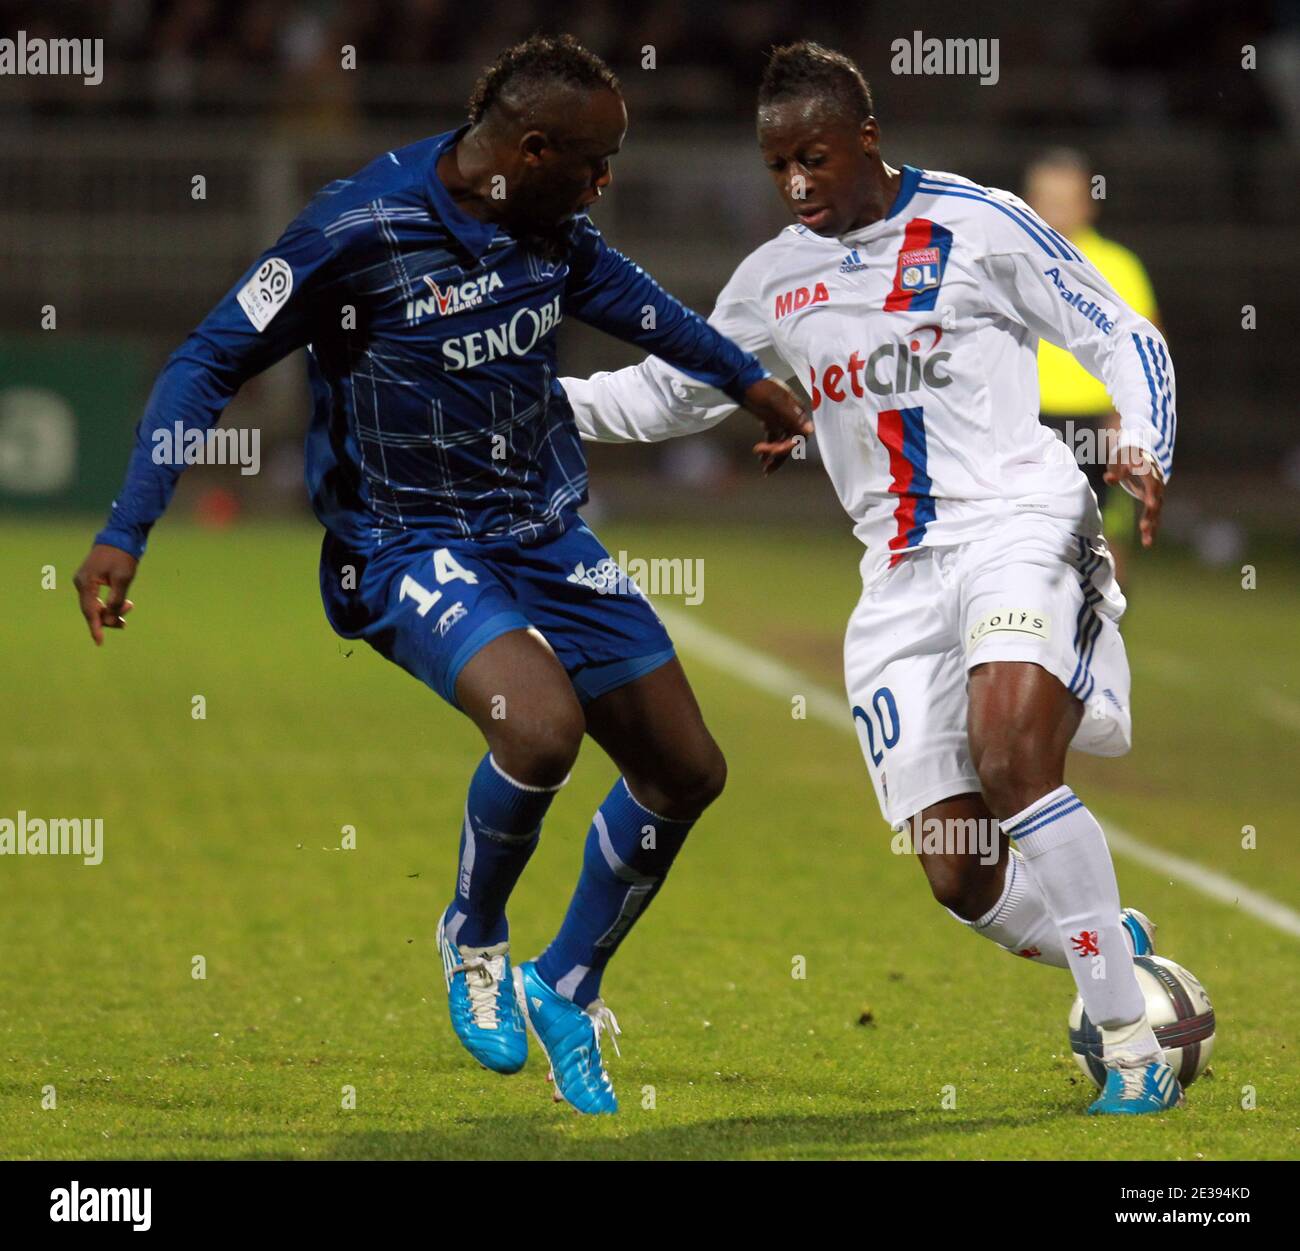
985,643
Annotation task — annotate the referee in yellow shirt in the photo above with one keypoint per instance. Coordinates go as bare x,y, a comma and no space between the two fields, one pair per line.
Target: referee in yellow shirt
1058,186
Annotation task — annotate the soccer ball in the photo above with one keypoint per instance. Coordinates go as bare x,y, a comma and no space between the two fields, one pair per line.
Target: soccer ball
1179,1010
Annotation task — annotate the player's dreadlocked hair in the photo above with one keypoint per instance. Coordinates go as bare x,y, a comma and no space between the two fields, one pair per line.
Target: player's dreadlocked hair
537,63
808,69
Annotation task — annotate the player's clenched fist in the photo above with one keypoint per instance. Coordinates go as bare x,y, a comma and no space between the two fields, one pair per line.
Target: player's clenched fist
778,408
113,568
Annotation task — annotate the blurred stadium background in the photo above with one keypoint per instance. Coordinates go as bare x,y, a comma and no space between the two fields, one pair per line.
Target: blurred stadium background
1199,155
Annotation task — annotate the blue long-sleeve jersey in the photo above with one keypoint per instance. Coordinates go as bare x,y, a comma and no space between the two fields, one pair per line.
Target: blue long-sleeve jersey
431,353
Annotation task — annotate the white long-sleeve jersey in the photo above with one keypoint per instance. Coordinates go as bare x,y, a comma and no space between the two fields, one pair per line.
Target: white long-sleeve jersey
916,338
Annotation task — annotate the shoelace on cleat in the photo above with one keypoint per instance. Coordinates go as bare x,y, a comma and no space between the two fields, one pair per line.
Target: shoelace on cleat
1133,1082
602,1018
482,979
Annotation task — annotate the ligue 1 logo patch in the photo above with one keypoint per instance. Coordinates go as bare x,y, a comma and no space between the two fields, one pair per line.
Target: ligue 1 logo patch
918,270
266,292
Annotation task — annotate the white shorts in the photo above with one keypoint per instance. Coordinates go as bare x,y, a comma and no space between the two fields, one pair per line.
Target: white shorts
1031,591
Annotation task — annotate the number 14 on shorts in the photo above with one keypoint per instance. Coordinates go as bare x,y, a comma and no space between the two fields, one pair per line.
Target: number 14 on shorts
446,568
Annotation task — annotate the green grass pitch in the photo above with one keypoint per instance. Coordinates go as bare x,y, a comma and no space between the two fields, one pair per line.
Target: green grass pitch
222,840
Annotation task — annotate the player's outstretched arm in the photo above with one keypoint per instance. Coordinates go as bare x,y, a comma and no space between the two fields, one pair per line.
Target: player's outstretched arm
263,318
650,402
683,389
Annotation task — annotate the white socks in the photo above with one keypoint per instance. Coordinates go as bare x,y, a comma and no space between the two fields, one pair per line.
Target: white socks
1066,856
1019,921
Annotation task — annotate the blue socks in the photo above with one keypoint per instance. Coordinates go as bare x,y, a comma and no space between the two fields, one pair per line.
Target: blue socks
503,821
629,851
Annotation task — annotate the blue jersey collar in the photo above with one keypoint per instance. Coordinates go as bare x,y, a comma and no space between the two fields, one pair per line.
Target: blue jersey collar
906,190
475,236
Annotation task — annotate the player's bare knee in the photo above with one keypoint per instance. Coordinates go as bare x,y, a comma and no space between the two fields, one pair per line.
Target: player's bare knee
688,788
539,748
956,885
706,781
1012,777
539,763
997,773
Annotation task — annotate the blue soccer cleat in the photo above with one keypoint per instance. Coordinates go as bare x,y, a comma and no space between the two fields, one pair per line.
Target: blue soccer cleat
570,1037
1141,931
1131,1091
481,997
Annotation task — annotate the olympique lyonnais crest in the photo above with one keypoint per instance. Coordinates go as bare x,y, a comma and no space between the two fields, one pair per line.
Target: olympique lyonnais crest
918,270
922,257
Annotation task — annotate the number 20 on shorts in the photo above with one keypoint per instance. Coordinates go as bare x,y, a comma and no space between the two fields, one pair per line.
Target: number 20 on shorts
886,721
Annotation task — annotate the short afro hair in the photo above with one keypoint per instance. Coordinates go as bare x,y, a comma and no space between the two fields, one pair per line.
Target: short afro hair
1063,159
808,69
535,64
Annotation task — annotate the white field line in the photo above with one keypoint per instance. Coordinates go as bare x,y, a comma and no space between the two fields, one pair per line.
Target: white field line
754,668
1209,883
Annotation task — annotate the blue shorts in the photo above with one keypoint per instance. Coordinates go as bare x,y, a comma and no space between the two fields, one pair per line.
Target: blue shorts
430,605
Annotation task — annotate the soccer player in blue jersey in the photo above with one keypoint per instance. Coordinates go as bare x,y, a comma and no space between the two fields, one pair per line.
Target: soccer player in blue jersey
445,465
